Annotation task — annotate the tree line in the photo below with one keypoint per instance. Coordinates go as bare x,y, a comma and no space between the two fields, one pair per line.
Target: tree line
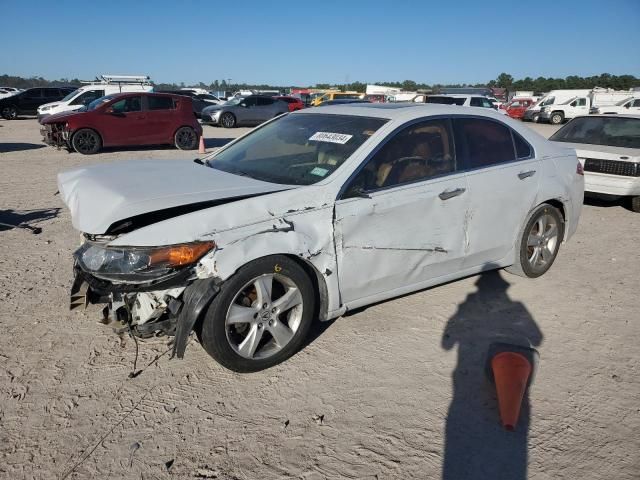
504,80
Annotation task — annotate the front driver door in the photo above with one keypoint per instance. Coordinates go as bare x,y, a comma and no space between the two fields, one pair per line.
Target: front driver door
399,221
123,122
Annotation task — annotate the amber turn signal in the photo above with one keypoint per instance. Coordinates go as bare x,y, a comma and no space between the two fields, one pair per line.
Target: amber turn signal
179,255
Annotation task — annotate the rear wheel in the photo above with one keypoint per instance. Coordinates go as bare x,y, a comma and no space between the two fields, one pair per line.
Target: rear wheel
10,112
261,315
86,141
228,120
635,204
539,242
186,138
556,118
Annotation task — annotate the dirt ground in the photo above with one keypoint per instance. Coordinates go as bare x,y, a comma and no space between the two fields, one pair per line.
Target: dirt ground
396,390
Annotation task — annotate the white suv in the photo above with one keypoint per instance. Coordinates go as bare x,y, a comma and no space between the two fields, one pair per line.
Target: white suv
464,101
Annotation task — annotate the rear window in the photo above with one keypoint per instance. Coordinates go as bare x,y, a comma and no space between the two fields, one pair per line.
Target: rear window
484,142
446,100
160,103
609,131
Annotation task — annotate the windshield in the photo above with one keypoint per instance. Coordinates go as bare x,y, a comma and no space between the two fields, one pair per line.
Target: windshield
299,149
547,101
593,130
234,101
99,101
71,95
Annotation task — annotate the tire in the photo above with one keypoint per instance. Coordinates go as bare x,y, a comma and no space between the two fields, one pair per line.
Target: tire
86,141
269,335
228,120
534,260
535,118
635,204
185,138
556,118
10,112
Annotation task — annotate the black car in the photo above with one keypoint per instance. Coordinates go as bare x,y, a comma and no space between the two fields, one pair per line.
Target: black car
199,100
28,101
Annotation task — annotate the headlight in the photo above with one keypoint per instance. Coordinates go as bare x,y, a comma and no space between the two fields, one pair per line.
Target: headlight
544,109
138,263
42,109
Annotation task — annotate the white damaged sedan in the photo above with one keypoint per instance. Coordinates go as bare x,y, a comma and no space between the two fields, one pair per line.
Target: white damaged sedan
312,214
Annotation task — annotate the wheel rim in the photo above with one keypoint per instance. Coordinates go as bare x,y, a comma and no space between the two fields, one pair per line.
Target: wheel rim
86,141
227,120
186,138
542,241
556,119
9,112
264,316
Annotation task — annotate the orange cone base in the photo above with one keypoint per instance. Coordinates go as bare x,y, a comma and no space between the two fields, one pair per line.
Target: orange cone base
201,149
511,373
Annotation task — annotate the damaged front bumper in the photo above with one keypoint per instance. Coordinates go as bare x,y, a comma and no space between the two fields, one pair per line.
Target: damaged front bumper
171,306
56,134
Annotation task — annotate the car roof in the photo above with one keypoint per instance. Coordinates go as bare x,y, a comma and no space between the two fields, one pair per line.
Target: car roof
400,111
610,115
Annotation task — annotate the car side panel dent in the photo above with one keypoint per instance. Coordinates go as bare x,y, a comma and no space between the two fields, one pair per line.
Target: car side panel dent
307,235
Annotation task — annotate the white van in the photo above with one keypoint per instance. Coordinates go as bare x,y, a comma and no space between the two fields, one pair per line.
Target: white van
582,105
554,97
106,85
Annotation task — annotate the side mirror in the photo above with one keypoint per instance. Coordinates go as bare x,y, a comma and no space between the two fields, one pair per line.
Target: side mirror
243,105
628,105
109,110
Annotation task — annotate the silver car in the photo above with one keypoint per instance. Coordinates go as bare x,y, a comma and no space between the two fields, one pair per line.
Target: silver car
244,111
313,214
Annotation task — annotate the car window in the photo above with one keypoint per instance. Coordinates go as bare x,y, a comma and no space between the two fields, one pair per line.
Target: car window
636,103
484,142
263,101
34,93
160,103
129,104
87,97
594,130
419,152
476,102
250,101
523,149
297,149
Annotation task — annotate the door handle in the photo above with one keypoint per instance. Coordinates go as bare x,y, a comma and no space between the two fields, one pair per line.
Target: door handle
523,175
447,194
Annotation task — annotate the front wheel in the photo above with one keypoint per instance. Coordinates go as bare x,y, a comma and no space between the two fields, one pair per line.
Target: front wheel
10,113
186,138
556,118
261,316
86,141
228,120
539,242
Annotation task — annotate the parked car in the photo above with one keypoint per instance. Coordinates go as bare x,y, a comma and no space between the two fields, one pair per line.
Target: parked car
516,108
328,96
108,85
28,101
8,91
462,100
200,101
608,146
251,110
313,214
628,106
293,102
125,119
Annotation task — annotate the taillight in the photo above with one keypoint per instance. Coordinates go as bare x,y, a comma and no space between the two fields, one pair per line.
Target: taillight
579,168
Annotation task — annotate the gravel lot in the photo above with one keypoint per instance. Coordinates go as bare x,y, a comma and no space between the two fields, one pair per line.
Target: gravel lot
396,390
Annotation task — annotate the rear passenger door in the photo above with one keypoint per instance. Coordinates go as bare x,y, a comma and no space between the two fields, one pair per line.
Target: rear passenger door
502,177
160,113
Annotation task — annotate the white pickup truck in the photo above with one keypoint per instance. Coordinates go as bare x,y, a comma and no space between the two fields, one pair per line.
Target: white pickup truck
628,106
581,105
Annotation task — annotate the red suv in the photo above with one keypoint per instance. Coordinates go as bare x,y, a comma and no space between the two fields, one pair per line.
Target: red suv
293,103
125,119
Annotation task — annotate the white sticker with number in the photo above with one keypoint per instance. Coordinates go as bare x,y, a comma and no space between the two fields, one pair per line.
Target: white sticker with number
340,138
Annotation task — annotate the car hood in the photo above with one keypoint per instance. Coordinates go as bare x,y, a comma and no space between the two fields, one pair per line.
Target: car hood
604,152
212,108
57,117
100,196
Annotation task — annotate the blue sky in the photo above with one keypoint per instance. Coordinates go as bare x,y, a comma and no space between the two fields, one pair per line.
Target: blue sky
302,43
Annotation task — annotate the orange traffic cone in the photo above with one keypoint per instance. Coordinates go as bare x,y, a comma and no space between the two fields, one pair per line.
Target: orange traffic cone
201,149
511,373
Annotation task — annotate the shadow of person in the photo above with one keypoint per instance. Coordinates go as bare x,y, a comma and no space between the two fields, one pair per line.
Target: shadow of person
476,445
10,219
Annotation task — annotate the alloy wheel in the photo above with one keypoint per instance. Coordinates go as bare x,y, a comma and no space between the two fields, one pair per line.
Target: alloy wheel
86,141
264,316
186,138
542,241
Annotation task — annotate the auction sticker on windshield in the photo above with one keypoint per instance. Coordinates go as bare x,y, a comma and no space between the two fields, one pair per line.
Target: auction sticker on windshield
340,138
